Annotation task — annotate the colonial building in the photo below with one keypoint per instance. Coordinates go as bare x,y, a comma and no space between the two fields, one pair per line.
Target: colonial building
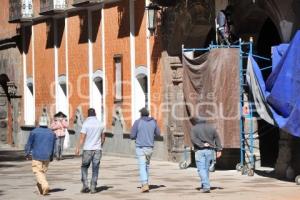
68,55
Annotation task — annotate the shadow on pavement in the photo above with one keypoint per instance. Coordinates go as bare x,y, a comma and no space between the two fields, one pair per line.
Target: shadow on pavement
212,188
17,155
153,187
65,157
56,190
270,174
103,188
1,192
7,165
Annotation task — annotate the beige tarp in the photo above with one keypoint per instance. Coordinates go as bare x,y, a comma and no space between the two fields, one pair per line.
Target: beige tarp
211,89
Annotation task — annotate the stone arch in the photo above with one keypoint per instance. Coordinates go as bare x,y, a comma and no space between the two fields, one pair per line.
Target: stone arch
249,17
261,20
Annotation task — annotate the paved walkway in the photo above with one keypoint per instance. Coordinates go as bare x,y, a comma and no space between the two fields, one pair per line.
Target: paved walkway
119,180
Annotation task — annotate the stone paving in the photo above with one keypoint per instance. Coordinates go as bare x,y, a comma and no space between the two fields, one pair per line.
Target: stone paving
119,180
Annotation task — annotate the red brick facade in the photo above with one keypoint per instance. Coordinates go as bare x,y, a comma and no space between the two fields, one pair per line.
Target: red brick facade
43,66
116,36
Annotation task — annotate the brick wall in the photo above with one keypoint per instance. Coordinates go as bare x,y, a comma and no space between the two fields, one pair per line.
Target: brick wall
7,30
44,67
156,81
117,41
78,63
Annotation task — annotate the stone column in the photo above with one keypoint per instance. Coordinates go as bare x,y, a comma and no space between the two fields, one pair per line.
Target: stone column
220,5
295,163
282,166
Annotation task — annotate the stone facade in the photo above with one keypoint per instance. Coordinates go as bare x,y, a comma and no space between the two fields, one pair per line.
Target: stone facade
11,107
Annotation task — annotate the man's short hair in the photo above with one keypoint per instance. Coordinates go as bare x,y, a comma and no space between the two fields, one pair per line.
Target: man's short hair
60,114
91,112
144,112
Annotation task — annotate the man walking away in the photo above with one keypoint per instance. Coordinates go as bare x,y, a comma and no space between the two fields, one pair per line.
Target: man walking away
143,131
91,137
205,140
40,145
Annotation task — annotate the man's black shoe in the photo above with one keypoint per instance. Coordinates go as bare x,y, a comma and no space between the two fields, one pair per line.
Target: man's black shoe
85,190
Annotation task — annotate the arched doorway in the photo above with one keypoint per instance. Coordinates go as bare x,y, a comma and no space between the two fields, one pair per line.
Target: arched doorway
268,37
252,21
268,134
5,112
140,91
97,94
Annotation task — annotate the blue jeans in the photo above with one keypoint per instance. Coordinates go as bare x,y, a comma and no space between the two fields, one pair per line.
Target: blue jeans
59,146
89,156
203,159
143,155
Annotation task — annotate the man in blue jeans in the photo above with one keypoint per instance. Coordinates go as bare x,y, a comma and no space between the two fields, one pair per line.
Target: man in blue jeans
91,137
143,132
205,140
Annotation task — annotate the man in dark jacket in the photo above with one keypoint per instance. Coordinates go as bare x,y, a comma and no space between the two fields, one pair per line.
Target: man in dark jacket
143,131
40,145
205,140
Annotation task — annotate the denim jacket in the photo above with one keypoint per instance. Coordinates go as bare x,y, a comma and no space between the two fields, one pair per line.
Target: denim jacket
40,144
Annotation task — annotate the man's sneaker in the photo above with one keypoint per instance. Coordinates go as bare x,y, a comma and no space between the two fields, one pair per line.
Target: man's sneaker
205,190
39,187
85,190
145,188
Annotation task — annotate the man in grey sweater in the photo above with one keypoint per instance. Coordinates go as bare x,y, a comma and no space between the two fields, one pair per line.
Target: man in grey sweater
205,140
143,132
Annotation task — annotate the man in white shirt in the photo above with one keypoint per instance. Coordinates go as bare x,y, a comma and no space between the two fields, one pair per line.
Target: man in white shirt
91,137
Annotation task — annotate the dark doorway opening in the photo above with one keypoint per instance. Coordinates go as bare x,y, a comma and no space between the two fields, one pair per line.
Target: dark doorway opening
5,112
268,134
268,37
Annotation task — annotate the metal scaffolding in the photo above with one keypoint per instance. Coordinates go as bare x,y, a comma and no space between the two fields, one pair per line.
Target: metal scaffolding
247,158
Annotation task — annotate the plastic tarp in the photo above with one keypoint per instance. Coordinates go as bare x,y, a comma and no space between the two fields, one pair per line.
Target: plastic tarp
211,89
282,89
277,53
257,86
